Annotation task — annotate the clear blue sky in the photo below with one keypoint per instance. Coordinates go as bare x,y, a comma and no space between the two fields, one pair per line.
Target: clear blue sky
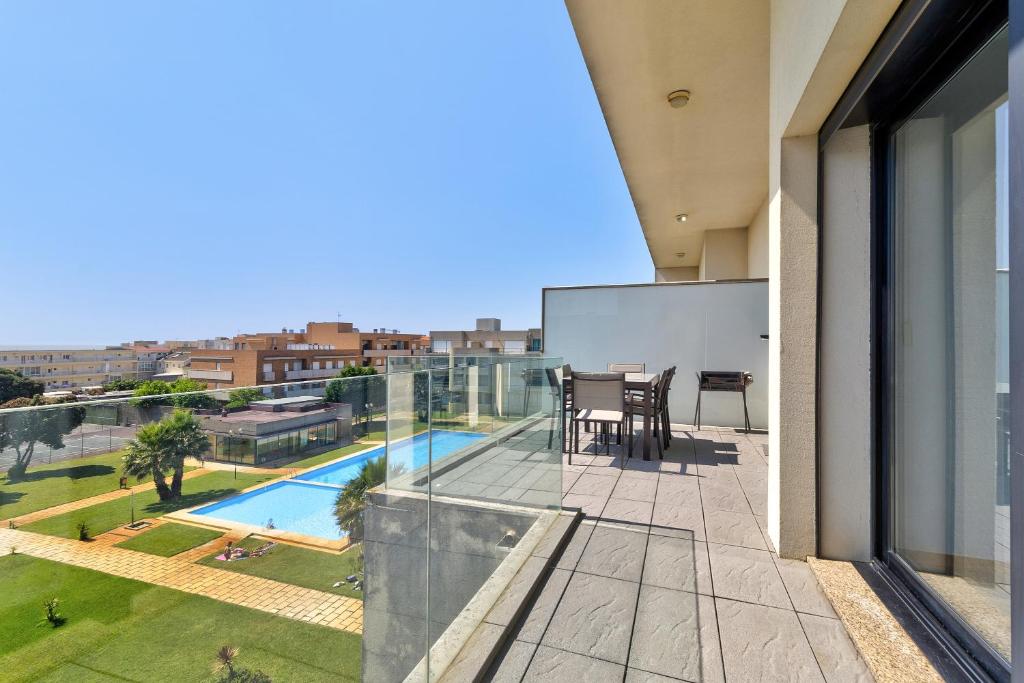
194,168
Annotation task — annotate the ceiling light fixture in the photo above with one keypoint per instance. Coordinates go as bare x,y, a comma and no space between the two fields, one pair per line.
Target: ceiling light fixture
680,254
681,218
679,98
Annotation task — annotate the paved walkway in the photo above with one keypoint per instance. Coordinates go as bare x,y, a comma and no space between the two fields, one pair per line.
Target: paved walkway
282,599
672,577
45,513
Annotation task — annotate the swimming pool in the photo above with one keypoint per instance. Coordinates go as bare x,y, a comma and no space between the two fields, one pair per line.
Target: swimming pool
308,508
410,454
289,505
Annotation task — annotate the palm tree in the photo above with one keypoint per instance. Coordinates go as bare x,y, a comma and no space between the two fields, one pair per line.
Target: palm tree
352,498
163,446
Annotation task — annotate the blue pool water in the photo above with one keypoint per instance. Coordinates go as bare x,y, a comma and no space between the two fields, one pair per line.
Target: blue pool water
308,508
410,454
293,506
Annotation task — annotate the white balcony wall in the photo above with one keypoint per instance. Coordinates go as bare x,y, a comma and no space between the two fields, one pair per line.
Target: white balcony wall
692,325
217,375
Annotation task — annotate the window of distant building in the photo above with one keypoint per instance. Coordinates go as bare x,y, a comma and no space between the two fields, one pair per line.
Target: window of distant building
441,346
515,346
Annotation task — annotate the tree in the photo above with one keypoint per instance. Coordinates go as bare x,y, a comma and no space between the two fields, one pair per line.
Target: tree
240,398
359,388
123,384
356,371
23,429
182,385
13,385
351,501
162,447
189,399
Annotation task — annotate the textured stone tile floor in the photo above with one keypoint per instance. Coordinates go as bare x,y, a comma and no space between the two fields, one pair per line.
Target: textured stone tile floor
672,577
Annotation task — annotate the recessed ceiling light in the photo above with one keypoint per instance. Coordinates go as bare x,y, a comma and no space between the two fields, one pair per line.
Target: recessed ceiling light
679,98
680,218
680,254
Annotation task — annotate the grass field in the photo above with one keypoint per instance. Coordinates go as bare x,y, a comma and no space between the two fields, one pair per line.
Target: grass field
103,517
118,629
297,566
47,485
169,539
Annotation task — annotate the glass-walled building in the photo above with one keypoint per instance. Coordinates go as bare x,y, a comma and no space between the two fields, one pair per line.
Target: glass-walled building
277,429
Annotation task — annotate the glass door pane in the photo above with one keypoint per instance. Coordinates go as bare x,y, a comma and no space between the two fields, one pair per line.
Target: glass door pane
950,465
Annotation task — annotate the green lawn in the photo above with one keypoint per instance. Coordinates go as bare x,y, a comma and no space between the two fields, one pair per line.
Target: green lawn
297,566
106,516
47,485
169,539
118,629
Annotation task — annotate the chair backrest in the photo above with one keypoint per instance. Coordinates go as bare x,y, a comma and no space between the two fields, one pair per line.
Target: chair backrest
627,367
661,395
554,383
567,378
598,391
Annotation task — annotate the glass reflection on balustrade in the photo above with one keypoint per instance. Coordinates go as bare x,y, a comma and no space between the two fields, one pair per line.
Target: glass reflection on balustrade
376,506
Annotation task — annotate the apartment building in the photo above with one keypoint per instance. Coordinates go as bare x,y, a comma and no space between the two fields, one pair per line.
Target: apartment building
148,355
225,369
71,368
381,343
373,347
173,365
487,337
213,343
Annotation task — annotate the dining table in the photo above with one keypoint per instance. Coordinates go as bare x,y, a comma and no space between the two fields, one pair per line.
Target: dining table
643,383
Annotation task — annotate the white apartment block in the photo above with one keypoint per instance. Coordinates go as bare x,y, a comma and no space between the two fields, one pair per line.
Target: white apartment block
71,368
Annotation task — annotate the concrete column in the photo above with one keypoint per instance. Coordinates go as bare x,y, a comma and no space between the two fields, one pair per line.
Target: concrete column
792,309
844,399
473,396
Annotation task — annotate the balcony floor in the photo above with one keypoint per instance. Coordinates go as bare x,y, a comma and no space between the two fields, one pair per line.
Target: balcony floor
671,576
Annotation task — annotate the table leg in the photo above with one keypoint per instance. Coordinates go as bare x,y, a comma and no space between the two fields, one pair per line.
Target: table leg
648,402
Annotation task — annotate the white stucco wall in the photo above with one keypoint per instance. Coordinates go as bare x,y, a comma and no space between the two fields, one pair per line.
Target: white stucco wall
694,326
679,274
844,404
757,244
724,256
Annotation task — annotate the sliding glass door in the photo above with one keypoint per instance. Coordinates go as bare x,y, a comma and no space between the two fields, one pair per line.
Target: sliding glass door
948,358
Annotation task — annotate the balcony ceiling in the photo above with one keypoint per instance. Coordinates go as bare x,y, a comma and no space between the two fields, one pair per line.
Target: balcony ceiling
708,159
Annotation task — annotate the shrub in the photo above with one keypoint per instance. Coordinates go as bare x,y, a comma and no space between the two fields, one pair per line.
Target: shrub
52,615
83,531
225,666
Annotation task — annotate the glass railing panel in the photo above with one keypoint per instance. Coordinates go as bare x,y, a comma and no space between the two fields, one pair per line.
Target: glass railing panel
380,506
395,616
493,487
152,524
